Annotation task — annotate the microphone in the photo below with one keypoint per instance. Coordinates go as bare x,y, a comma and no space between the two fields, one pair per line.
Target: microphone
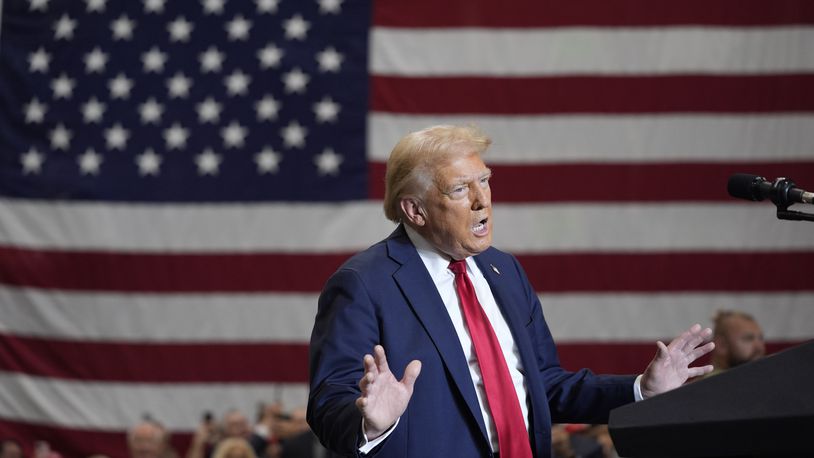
781,191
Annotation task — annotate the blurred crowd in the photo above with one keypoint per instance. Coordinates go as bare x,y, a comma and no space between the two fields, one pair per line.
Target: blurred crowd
275,433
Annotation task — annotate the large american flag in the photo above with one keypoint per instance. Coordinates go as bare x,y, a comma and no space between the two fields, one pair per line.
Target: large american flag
179,178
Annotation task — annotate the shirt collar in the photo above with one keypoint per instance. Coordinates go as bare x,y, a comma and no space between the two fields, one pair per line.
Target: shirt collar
437,263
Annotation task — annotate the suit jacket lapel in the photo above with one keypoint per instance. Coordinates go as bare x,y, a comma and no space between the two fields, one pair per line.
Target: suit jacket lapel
417,285
503,281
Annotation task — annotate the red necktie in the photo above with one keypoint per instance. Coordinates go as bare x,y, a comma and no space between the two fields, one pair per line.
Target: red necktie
512,438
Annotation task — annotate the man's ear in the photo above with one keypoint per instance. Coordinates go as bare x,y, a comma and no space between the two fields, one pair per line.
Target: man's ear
413,211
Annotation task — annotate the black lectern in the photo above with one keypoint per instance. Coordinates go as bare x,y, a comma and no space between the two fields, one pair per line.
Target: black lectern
763,409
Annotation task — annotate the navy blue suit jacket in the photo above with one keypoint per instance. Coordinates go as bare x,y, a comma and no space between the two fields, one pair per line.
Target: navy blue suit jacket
384,295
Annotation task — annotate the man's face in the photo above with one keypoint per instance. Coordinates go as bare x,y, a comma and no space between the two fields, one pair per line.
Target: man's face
744,341
458,208
10,450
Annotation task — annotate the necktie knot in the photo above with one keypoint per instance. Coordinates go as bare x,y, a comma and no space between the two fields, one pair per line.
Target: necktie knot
458,267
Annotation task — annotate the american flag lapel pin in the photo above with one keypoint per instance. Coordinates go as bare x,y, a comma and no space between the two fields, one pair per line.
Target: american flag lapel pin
494,268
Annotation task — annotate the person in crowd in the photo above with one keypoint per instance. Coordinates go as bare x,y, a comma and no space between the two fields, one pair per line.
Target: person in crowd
10,448
433,343
738,339
149,439
234,447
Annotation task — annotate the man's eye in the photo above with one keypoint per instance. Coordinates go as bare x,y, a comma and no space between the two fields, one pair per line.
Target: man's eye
484,181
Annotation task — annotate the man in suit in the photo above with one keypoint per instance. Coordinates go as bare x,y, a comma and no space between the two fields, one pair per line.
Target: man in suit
480,376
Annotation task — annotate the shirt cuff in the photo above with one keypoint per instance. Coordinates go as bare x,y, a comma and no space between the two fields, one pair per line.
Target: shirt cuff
367,445
637,389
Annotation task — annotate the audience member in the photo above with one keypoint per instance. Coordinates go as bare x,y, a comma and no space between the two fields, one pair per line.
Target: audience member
234,447
10,448
738,339
149,439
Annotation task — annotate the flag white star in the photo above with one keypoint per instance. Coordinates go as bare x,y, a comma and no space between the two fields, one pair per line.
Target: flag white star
95,5
89,162
35,111
267,108
176,136
330,6
95,61
116,137
38,61
295,81
60,137
294,135
296,28
237,83
329,60
149,163
32,161
238,28
64,28
328,162
120,87
268,161
208,162
38,5
270,56
180,29
213,6
234,135
93,110
179,85
123,28
150,111
326,110
267,6
154,6
154,60
208,111
211,60
62,87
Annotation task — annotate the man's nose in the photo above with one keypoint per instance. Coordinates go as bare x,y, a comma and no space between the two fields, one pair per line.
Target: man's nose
480,198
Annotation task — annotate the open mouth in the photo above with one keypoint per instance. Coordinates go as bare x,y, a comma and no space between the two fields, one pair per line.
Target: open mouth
481,228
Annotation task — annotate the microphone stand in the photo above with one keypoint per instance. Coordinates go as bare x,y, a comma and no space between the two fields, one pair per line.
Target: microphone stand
780,198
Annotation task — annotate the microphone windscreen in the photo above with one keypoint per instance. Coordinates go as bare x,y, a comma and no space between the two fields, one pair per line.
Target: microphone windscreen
742,186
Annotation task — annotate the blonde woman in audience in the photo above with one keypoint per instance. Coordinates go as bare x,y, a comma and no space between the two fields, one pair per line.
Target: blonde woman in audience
234,447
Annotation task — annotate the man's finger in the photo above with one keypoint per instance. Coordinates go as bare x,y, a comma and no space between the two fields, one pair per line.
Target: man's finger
701,351
698,371
411,374
381,358
370,364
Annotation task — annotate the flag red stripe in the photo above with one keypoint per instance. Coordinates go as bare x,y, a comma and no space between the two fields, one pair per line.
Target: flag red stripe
110,271
599,272
223,363
553,13
587,272
160,362
593,94
78,441
615,182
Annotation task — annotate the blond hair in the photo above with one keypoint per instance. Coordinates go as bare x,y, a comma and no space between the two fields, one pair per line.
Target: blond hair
411,165
227,445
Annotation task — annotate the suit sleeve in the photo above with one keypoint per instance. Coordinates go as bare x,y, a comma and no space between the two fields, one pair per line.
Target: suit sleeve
573,397
345,330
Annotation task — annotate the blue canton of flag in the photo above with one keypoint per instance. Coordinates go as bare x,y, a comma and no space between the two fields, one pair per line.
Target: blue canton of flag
181,101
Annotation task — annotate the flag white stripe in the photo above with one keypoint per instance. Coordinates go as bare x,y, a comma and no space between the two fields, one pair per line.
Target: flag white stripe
207,318
595,51
307,228
644,138
118,406
632,317
252,318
